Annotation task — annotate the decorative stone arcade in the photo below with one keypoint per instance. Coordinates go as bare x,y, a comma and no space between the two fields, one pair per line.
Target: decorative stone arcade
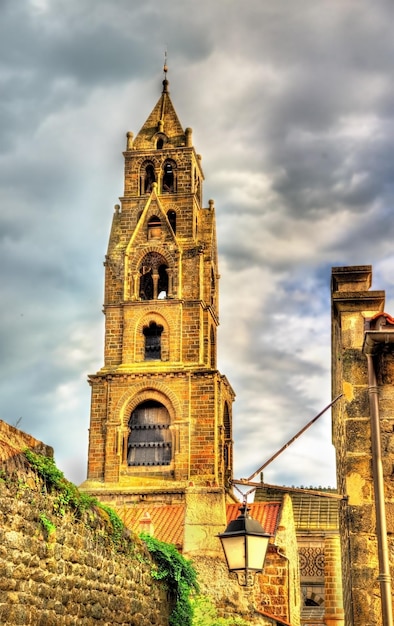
161,412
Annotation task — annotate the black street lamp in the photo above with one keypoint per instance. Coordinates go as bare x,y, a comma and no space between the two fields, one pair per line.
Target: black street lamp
245,544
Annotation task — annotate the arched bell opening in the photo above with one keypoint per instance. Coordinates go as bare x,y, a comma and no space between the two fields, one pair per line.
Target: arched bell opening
149,442
152,334
153,277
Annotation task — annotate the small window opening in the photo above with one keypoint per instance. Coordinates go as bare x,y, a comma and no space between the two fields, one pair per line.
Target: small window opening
149,178
172,219
227,448
310,602
160,143
154,228
168,178
213,347
162,286
152,335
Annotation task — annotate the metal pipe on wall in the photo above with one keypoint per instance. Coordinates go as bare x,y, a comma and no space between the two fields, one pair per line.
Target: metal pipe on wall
380,509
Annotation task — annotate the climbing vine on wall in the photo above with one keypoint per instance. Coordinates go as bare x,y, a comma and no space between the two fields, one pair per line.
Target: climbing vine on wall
69,498
179,576
172,568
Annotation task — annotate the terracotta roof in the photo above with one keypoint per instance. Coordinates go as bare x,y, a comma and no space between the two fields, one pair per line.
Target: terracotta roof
267,513
168,520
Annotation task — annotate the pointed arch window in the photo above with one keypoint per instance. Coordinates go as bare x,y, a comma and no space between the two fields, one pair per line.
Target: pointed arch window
172,219
169,177
149,441
152,335
153,277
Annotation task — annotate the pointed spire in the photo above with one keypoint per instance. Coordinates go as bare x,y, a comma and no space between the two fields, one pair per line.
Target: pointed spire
162,119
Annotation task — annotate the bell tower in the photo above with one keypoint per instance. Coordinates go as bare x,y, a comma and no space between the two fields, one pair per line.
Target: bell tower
161,412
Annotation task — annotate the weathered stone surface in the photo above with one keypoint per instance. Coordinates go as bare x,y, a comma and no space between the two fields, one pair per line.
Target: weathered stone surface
70,577
352,439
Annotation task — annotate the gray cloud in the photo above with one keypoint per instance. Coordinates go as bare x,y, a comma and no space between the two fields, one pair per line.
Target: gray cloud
293,113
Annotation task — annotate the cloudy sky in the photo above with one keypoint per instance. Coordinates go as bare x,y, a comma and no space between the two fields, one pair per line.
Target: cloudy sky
292,108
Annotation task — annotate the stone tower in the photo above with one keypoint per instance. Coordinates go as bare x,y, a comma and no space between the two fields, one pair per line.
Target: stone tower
363,426
161,413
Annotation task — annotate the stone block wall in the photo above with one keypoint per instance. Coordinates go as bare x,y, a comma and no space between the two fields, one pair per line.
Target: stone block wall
353,304
68,572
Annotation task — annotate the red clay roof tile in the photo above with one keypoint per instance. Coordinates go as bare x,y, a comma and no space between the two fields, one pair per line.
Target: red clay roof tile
168,520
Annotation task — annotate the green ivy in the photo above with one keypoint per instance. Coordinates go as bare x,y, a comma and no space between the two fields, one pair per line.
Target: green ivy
205,614
117,524
68,494
179,576
48,526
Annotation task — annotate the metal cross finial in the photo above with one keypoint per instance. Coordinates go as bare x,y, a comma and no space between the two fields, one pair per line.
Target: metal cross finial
165,67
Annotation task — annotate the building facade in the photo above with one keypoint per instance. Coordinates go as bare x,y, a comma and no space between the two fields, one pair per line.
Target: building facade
316,524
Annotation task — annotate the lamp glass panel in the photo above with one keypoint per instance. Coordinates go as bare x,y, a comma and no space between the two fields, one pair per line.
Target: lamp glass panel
256,551
234,549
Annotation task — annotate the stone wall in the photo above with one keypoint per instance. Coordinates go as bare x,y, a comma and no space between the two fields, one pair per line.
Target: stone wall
353,304
68,573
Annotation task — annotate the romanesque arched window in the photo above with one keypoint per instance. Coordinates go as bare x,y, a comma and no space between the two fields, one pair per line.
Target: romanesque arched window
153,277
152,334
169,177
149,440
147,177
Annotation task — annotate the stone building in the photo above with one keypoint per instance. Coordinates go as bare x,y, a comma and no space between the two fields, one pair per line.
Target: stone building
160,440
363,425
316,523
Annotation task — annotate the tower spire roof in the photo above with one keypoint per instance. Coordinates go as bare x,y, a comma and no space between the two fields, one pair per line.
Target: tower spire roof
163,120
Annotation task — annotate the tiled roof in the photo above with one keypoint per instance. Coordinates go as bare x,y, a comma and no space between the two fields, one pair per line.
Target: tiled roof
311,512
315,512
267,513
168,520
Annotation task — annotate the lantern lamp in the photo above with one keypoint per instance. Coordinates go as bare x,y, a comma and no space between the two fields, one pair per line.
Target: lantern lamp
245,544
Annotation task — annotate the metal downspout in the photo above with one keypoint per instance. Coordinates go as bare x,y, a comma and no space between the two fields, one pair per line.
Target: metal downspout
378,481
